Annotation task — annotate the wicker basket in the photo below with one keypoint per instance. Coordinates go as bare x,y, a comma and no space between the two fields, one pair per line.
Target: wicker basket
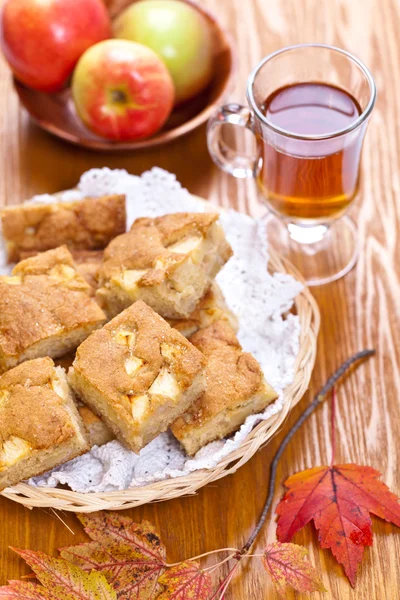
307,309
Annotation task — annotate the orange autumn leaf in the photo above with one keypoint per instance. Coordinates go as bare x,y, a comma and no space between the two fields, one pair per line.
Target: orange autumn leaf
185,581
21,590
131,556
113,528
286,565
339,499
60,580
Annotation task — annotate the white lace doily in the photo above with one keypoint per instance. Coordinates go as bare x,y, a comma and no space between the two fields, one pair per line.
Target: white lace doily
256,297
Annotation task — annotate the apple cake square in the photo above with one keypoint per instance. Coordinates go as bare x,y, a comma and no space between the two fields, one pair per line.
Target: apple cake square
235,389
168,262
212,307
138,374
45,309
87,224
40,427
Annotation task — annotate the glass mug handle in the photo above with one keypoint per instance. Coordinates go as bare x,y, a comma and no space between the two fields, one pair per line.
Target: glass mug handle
226,158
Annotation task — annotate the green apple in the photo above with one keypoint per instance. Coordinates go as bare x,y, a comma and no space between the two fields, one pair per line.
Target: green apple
179,34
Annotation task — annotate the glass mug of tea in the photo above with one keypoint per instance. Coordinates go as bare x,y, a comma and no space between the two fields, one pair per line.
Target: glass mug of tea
309,109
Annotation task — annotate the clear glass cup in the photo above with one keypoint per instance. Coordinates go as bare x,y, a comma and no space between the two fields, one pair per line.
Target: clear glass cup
307,220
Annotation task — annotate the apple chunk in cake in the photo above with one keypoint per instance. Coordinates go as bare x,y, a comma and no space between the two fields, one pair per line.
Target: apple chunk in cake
235,389
168,262
40,427
212,307
45,309
87,224
138,374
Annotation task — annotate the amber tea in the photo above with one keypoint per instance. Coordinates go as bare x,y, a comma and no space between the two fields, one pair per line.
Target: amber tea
298,182
309,106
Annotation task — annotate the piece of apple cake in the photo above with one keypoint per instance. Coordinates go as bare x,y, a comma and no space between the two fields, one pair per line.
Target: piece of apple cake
235,389
138,374
168,262
88,224
40,427
212,307
45,309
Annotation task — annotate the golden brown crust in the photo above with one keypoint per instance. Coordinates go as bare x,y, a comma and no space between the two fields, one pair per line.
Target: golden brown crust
102,357
87,262
30,409
88,224
145,246
233,377
174,226
44,297
57,264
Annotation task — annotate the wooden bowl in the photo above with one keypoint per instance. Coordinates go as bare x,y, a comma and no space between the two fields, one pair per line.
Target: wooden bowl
56,112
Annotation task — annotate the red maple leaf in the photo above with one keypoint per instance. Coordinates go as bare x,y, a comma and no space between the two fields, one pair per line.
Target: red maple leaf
339,499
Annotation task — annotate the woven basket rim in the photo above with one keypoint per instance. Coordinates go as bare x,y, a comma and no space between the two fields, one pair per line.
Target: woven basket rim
306,308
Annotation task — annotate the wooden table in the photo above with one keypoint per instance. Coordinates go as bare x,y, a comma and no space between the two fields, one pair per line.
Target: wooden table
358,311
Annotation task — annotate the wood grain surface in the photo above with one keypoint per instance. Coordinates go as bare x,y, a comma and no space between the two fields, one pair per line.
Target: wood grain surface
361,310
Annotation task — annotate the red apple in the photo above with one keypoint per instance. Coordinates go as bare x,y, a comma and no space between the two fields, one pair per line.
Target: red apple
43,39
122,90
179,34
